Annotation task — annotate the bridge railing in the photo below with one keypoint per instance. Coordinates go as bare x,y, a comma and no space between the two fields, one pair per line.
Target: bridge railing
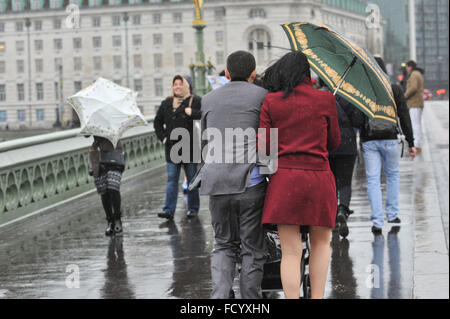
41,171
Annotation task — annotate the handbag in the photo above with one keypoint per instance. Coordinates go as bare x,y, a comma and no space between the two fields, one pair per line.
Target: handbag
112,158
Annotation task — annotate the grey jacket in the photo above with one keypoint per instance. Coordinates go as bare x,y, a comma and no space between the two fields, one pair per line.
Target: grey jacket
236,105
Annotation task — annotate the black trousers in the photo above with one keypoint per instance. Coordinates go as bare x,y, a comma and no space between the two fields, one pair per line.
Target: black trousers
342,168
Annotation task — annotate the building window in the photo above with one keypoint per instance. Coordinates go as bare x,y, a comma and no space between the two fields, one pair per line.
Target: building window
159,87
157,39
39,65
38,25
3,117
177,17
257,13
38,45
95,3
219,14
77,65
40,115
36,4
18,5
97,63
20,92
96,22
117,41
39,91
2,92
58,44
137,60
116,20
21,115
97,42
20,46
156,18
2,66
178,38
117,59
137,40
259,46
77,43
19,26
219,58
2,27
138,85
115,2
20,66
157,57
57,24
178,59
77,85
219,36
55,4
58,63
136,19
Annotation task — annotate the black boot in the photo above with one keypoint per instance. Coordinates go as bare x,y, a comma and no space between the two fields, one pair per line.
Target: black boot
342,216
117,223
110,228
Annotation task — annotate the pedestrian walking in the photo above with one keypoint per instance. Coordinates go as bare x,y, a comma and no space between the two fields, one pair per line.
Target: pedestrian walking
381,150
178,111
342,160
236,189
415,99
302,192
106,165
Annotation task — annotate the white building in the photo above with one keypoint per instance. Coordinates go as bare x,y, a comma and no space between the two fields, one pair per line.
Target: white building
144,53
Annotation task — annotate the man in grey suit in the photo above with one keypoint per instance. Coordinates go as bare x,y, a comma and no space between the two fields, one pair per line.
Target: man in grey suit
236,189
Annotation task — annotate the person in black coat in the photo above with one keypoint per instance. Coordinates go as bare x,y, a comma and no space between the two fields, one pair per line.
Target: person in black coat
342,160
178,112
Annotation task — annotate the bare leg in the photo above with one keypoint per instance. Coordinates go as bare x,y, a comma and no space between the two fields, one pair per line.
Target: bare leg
320,259
291,252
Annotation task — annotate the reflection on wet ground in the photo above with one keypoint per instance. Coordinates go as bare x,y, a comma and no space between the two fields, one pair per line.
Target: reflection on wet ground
171,259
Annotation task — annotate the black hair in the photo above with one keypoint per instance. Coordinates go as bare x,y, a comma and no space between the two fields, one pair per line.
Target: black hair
381,64
240,65
412,63
288,72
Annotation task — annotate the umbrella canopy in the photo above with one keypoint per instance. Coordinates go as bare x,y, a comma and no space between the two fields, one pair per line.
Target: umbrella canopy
348,69
106,109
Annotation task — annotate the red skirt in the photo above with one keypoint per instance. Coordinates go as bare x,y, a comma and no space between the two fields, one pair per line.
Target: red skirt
301,197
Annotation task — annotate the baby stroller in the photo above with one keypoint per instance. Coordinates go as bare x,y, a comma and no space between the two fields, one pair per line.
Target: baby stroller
272,277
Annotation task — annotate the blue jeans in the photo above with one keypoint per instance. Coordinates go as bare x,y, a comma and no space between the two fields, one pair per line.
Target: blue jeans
377,154
173,175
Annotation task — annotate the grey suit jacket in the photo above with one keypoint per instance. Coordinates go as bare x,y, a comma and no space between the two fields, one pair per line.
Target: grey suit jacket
234,106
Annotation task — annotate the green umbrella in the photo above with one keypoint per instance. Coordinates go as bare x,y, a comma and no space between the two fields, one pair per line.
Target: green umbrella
347,68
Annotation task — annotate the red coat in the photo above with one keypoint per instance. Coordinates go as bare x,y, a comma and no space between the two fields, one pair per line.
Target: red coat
302,191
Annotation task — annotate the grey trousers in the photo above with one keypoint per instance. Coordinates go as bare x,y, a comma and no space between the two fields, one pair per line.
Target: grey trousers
236,220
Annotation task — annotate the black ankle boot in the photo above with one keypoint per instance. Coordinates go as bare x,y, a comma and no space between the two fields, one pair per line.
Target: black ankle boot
342,216
110,228
117,223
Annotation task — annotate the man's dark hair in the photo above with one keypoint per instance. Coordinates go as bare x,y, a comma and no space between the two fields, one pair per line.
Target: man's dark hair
240,65
412,63
381,64
288,72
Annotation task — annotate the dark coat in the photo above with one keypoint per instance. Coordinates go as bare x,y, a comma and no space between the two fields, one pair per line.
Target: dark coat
167,119
402,113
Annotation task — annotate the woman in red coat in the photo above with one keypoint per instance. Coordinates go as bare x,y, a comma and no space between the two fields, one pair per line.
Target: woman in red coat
302,192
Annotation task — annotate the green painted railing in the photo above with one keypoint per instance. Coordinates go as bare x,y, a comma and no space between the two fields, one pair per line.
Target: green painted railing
44,170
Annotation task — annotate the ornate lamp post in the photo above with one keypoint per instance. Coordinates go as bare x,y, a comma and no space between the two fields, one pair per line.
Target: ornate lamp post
198,68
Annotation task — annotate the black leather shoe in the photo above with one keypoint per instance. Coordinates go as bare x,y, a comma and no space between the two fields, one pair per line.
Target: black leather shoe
342,216
376,230
109,229
165,215
191,214
395,221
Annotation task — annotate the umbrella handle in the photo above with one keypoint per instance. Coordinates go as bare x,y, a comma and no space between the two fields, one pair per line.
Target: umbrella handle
345,74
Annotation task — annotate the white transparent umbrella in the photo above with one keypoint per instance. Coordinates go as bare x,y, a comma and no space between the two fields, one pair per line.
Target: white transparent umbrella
106,109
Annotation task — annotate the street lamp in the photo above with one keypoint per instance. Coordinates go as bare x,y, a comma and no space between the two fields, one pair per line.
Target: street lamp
125,19
198,69
28,25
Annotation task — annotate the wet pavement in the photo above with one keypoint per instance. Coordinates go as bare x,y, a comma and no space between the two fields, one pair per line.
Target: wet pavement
46,256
